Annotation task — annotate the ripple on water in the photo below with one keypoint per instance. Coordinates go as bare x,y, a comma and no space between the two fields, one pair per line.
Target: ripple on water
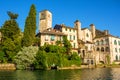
82,74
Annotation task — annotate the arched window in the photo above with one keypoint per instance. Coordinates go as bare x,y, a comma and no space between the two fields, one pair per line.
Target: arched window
107,49
115,42
116,58
119,43
119,50
102,42
97,42
102,49
106,41
115,49
98,49
87,35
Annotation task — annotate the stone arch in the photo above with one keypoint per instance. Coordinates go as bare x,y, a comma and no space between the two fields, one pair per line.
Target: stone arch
107,49
97,42
102,49
97,49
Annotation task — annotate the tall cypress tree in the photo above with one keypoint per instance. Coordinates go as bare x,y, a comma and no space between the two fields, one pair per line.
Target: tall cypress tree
30,27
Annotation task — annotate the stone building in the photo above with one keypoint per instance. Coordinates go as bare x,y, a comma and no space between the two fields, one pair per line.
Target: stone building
107,45
93,45
71,34
50,36
45,20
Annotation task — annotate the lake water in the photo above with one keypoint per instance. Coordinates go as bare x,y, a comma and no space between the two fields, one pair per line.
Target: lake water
82,74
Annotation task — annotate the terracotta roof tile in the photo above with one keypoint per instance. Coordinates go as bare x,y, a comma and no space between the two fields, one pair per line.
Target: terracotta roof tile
52,31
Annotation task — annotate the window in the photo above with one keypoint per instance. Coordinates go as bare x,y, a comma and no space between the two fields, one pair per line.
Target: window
66,29
70,30
106,41
73,37
119,43
115,42
115,49
98,49
70,37
107,49
73,30
52,37
97,42
102,42
42,15
46,38
119,50
116,58
102,49
74,45
87,35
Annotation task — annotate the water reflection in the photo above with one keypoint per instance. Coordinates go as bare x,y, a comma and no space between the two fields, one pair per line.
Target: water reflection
83,74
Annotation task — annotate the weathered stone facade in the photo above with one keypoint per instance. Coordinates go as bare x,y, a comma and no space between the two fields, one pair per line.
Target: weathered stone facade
94,46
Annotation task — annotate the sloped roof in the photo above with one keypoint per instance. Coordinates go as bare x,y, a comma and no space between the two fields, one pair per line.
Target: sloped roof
88,42
100,34
52,32
59,27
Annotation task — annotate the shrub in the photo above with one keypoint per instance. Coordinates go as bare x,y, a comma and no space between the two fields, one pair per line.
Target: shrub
25,57
41,60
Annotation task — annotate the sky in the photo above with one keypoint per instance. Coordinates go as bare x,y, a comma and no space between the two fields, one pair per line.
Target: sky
104,14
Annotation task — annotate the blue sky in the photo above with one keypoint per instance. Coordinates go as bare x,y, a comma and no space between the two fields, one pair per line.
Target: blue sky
104,14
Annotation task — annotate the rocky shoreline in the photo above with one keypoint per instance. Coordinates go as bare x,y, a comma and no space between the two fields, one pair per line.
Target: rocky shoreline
7,66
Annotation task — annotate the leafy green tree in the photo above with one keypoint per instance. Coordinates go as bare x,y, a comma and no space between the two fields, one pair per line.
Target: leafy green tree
11,40
2,54
25,57
67,44
59,43
30,28
12,15
41,60
52,48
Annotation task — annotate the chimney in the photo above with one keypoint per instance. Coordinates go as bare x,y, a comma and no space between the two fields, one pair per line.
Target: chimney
106,32
92,27
77,25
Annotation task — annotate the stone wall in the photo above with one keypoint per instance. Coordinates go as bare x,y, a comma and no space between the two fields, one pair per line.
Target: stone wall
7,66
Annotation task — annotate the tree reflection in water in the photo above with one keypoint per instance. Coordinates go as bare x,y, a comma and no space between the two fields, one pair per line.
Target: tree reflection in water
82,74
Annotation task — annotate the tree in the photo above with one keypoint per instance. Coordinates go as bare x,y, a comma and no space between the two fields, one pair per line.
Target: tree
12,15
59,43
30,28
52,48
2,54
41,60
11,37
67,44
25,57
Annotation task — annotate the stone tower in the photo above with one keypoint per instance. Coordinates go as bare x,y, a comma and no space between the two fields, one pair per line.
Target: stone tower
77,25
45,20
92,27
